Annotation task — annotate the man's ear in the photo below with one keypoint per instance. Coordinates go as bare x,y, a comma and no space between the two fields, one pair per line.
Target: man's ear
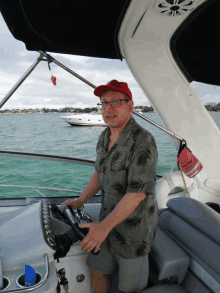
131,104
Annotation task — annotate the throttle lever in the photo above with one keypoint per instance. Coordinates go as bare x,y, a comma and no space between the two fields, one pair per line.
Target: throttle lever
80,232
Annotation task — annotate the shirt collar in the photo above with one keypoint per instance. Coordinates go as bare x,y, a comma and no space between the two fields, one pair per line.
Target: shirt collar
124,135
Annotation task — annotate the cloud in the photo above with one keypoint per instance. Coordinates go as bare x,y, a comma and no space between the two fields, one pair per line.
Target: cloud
76,59
206,92
37,91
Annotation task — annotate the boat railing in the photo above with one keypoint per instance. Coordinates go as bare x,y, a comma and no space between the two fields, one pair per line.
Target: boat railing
49,200
6,201
62,159
36,189
47,157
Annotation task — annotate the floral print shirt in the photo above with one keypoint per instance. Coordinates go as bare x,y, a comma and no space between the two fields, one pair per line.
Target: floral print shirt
129,167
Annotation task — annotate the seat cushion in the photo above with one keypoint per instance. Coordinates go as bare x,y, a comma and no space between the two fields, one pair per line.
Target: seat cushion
197,214
165,289
170,259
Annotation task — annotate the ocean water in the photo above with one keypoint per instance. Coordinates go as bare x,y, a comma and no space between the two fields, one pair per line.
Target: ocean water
49,134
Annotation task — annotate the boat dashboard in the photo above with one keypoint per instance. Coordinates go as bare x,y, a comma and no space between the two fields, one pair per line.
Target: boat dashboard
28,237
56,214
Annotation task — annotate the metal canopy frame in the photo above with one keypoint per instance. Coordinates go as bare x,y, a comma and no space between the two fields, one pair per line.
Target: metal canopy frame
51,59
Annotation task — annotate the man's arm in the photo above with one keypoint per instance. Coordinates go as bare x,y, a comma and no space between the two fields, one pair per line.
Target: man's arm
91,189
123,209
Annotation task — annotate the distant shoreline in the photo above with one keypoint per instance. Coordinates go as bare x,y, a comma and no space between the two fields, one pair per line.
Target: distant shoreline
63,110
70,110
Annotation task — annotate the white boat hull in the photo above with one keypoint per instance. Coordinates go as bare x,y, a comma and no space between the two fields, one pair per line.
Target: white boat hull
85,120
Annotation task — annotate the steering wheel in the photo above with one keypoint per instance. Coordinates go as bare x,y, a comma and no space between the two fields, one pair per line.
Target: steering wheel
71,217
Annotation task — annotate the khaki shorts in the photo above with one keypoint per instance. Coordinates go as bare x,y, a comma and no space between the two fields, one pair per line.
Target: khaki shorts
133,273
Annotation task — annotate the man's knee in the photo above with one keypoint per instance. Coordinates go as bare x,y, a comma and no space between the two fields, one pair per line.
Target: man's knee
96,274
99,279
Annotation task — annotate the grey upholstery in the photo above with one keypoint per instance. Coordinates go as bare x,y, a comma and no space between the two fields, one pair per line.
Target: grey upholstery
195,228
165,289
171,260
197,214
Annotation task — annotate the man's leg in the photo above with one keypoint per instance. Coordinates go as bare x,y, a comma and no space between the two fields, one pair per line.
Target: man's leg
100,282
133,273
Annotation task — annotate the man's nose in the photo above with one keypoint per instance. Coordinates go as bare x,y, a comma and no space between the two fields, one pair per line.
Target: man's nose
109,107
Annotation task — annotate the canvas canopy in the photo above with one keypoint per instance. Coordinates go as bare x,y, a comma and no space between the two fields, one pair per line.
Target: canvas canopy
90,28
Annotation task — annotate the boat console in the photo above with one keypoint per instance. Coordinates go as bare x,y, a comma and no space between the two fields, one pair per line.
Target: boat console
32,235
185,249
27,238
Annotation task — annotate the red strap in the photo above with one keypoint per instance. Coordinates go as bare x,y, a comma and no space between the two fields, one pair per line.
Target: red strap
53,78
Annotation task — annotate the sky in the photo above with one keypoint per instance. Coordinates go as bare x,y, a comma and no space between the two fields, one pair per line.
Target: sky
37,91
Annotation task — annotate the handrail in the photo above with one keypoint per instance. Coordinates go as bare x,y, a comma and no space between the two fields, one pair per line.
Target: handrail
37,286
35,188
36,156
46,157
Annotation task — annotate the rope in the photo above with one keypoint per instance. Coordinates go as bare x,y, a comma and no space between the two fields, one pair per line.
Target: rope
183,178
167,173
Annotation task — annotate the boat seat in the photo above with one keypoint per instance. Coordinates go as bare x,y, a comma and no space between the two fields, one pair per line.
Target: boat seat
165,289
195,228
170,259
186,249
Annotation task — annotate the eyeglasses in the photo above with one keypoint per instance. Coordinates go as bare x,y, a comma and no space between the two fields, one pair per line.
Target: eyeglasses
114,103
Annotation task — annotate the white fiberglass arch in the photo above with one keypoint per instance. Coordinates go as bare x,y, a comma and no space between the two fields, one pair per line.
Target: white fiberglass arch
144,40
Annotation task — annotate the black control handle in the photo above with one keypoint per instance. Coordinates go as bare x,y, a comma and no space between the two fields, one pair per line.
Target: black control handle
80,232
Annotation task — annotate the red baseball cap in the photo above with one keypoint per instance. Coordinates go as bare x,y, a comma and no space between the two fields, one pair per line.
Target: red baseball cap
113,85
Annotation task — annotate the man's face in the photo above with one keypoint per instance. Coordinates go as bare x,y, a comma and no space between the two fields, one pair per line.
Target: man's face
116,117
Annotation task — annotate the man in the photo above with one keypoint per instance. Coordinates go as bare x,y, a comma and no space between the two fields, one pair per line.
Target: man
125,171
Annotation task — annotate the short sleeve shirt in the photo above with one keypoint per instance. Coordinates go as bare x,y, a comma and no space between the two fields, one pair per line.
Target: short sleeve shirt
129,167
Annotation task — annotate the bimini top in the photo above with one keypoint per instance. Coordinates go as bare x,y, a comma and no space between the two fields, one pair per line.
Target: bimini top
78,27
90,28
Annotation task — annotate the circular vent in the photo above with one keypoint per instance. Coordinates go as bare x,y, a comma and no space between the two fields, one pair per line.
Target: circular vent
174,7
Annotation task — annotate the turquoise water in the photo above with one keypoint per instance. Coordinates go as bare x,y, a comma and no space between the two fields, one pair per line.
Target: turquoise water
49,134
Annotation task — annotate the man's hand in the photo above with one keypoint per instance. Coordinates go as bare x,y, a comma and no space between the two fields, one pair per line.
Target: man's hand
96,235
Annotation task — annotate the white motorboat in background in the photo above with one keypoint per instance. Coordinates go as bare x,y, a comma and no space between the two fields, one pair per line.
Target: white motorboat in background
86,119
139,111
